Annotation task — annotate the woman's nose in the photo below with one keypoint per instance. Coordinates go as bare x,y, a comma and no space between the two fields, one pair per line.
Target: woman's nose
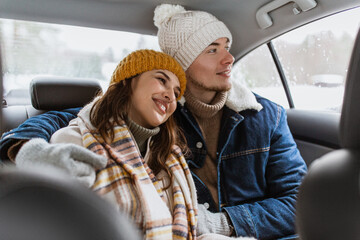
169,95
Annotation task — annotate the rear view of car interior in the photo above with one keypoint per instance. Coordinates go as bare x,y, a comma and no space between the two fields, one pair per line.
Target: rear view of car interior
266,35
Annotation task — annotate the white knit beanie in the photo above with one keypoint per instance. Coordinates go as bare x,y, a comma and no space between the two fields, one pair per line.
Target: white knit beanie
185,34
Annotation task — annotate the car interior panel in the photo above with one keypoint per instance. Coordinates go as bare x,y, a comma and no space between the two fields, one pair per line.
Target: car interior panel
318,140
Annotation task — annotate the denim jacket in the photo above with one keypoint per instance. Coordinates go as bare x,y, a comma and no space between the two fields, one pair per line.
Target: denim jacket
41,126
259,166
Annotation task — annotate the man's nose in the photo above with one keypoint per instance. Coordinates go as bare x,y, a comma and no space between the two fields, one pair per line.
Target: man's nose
228,58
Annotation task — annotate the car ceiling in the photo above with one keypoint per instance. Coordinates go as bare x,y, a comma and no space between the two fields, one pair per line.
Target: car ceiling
137,15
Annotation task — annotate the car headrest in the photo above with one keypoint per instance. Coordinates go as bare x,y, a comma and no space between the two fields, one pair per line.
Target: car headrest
43,203
350,115
55,93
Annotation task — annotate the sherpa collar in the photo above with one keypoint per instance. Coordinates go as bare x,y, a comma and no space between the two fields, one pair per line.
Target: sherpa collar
239,99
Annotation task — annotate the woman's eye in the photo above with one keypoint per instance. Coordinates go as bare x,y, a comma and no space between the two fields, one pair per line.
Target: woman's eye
176,94
161,80
212,50
227,49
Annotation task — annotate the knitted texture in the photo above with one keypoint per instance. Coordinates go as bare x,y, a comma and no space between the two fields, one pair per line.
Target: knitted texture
185,34
74,160
145,60
141,134
209,222
208,116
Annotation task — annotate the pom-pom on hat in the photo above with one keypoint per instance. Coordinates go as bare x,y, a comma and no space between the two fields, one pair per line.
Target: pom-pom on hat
185,34
145,60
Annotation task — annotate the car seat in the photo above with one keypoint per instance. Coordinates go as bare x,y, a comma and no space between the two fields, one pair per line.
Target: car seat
50,93
328,205
44,204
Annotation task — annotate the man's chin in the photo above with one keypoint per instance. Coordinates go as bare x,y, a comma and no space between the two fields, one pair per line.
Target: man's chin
227,88
223,88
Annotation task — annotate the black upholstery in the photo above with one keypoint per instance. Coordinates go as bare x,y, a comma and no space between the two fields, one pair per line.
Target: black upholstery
328,205
53,93
50,93
350,118
1,87
43,204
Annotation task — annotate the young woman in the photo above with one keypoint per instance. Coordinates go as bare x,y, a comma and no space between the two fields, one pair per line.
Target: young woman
131,125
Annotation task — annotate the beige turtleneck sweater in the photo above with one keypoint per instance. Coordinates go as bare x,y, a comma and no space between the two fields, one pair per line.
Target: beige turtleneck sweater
208,117
141,134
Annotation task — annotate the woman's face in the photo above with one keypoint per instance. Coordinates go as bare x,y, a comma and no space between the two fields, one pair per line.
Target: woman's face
153,98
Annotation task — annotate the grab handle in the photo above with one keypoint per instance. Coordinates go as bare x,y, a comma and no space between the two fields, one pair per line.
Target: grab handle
262,15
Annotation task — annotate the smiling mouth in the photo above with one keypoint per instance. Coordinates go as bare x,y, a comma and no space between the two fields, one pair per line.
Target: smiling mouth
226,73
160,104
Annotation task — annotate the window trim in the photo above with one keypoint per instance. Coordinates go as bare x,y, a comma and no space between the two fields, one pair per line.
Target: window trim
281,74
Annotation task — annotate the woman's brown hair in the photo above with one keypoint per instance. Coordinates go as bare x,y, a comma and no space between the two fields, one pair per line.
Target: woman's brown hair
113,107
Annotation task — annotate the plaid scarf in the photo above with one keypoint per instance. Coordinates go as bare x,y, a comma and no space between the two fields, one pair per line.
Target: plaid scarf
129,182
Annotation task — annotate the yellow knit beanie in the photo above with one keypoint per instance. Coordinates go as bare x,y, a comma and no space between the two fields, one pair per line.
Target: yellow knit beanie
145,60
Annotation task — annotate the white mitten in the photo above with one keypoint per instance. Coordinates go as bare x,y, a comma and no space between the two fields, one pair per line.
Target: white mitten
209,222
74,160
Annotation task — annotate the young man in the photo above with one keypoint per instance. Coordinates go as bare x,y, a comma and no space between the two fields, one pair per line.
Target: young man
244,161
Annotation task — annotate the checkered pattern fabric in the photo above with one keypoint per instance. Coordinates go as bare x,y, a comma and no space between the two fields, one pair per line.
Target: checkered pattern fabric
129,182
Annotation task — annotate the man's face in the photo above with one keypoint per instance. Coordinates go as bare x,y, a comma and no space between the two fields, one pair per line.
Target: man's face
210,72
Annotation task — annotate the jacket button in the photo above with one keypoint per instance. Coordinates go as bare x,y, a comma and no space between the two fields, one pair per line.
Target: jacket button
199,145
206,205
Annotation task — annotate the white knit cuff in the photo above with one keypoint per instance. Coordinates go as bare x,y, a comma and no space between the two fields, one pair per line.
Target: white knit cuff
29,152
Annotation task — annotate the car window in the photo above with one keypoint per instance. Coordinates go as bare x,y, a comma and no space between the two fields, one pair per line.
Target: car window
33,49
314,59
258,72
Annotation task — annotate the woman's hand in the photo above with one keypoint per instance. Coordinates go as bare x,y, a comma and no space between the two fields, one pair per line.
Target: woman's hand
77,161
